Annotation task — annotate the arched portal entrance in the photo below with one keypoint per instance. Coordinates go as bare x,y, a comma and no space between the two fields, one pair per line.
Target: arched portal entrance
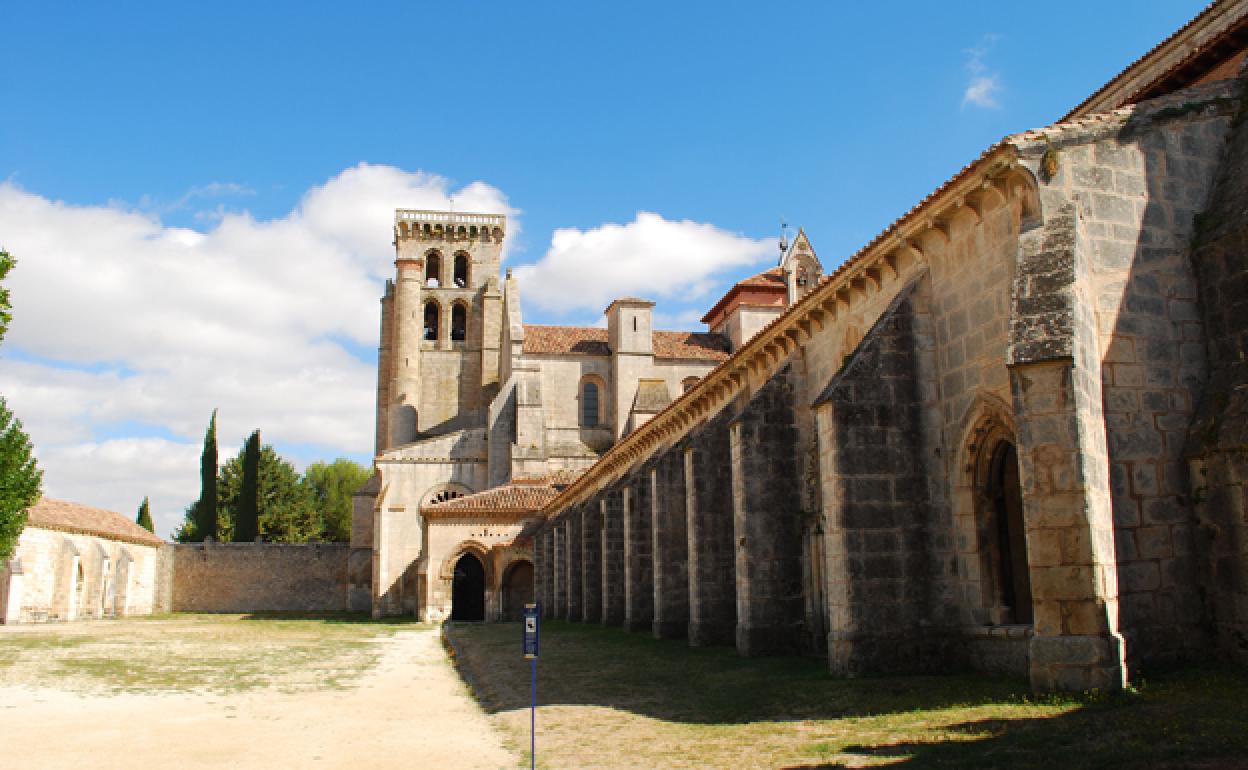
517,589
468,589
1003,497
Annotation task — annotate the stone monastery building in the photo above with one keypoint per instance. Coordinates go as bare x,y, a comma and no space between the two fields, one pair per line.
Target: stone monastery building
1009,433
470,398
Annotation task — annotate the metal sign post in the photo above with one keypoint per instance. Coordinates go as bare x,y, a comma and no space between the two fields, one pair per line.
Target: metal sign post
532,615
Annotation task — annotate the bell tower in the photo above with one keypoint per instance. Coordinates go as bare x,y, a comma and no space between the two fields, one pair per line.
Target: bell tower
440,325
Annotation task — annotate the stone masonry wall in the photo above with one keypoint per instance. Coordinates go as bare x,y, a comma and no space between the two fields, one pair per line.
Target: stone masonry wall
877,510
768,521
1137,186
260,577
712,563
670,547
638,564
1218,443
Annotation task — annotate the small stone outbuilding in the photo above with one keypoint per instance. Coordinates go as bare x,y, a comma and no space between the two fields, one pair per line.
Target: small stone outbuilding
74,561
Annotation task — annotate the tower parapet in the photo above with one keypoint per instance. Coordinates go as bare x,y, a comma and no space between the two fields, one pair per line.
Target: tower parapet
448,225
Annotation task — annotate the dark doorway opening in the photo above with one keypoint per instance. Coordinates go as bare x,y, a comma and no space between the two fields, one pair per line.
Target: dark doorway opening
517,590
1006,499
468,589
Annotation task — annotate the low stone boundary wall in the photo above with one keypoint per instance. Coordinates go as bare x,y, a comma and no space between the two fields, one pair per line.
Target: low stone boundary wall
260,577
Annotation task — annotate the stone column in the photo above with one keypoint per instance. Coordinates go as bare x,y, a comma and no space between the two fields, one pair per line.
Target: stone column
1070,535
611,509
638,570
408,334
1055,377
767,522
708,511
541,568
591,562
572,520
670,547
559,571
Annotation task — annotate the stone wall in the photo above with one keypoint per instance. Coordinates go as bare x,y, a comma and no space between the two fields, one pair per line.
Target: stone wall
65,576
1218,442
260,577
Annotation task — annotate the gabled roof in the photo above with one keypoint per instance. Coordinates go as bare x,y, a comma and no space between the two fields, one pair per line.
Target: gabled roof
1178,61
519,497
592,341
64,516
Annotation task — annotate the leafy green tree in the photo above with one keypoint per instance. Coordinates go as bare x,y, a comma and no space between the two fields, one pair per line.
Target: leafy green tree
7,262
331,486
247,504
20,477
286,509
144,519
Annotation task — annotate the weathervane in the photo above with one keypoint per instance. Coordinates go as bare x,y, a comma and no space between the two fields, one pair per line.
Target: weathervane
784,237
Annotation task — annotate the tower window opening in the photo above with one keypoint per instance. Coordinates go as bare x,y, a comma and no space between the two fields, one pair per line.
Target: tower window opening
461,270
431,320
433,269
459,323
589,404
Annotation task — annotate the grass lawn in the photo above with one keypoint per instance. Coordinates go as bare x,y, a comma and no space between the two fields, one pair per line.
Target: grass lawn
179,653
608,698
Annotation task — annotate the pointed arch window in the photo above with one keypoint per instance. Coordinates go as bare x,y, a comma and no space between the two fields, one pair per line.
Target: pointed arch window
461,276
1003,538
432,313
459,322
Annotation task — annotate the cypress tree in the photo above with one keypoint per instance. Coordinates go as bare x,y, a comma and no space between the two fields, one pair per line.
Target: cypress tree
144,519
206,506
246,521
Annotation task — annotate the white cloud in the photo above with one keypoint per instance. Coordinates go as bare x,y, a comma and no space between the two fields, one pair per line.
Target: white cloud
985,85
982,92
651,257
123,325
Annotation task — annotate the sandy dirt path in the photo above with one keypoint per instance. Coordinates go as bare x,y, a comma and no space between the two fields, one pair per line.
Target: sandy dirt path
411,711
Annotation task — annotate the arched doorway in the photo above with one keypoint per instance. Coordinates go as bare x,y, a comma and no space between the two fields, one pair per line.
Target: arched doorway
468,589
517,589
1005,532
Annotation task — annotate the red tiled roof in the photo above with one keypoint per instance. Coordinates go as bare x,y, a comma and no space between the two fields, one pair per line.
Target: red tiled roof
85,520
592,341
524,495
698,346
773,278
1134,83
579,340
768,281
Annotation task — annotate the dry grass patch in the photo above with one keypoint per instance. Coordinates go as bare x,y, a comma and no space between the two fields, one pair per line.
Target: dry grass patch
180,653
610,699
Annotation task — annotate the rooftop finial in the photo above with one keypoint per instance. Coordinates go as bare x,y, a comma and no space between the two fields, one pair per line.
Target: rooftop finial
784,237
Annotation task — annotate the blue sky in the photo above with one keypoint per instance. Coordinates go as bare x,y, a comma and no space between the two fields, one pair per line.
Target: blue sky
132,129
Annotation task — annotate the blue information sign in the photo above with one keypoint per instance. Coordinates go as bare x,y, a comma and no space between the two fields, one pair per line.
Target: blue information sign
532,624
530,631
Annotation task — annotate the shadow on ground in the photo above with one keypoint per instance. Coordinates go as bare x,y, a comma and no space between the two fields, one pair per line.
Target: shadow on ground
1183,718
